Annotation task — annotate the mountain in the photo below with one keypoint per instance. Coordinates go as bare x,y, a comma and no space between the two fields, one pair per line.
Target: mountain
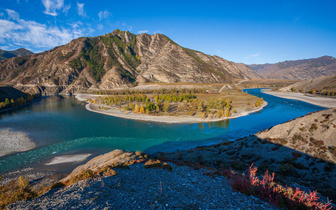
324,85
117,60
297,70
16,53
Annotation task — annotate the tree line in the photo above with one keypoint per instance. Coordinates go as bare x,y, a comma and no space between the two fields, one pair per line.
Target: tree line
10,103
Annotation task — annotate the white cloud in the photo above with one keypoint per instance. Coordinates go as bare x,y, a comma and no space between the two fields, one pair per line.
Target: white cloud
75,24
100,27
36,35
51,6
1,14
80,9
12,14
66,8
103,14
7,26
143,32
254,55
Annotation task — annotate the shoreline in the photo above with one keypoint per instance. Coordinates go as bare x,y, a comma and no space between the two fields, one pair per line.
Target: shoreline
315,100
16,107
160,119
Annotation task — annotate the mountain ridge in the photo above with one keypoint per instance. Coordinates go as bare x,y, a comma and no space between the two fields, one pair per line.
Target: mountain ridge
115,60
303,69
15,53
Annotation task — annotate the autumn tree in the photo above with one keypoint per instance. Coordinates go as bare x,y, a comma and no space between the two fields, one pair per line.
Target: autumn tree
136,108
142,110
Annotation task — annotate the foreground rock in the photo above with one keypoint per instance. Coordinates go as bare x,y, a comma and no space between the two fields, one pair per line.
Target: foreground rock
14,141
145,186
301,152
115,158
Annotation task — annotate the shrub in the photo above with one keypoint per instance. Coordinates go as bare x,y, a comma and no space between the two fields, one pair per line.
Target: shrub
57,185
88,174
15,191
313,127
23,182
157,164
267,189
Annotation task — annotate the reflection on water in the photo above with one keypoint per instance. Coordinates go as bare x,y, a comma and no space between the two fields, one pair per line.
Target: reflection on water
62,125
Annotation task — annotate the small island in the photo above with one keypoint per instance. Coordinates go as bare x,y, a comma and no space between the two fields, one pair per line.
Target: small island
174,106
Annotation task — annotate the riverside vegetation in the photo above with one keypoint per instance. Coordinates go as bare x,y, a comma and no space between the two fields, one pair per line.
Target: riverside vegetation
11,97
180,103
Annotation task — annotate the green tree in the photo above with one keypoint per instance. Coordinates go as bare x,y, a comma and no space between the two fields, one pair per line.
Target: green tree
166,106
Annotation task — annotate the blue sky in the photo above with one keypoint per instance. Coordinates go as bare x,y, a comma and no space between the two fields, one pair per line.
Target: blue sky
239,31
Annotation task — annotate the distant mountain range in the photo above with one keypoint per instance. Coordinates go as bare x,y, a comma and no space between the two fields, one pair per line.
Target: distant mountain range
297,70
16,53
117,60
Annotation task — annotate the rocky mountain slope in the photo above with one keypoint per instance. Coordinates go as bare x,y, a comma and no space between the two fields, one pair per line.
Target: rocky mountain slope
301,151
297,70
326,84
16,53
117,60
121,185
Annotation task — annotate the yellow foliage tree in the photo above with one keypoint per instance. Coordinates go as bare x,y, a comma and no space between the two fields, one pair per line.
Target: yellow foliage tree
136,108
219,113
142,110
23,182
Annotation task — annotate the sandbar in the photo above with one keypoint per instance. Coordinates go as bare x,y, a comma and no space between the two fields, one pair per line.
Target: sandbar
312,99
68,159
14,141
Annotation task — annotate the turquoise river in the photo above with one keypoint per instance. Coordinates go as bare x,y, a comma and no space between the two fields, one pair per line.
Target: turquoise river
61,126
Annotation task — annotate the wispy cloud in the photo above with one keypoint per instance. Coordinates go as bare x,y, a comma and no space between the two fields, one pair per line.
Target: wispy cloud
75,24
51,6
12,14
103,14
255,56
36,35
80,9
100,27
143,32
66,8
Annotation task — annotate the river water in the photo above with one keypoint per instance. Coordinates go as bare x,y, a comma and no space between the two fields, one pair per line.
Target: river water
61,125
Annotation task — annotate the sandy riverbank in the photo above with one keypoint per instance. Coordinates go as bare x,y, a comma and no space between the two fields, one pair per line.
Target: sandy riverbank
164,119
68,159
14,141
312,99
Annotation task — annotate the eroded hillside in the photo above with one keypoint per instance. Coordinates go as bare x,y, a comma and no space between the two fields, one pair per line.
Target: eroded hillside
117,60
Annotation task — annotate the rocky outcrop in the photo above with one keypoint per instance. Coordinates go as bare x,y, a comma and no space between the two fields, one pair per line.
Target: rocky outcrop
114,159
313,134
117,60
305,69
